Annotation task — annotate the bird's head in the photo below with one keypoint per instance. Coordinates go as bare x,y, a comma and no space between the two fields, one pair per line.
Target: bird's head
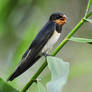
58,18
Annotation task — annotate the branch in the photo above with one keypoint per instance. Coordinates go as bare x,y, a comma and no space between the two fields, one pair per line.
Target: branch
88,6
55,52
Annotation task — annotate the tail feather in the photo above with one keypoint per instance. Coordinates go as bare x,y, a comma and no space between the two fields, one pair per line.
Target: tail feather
22,68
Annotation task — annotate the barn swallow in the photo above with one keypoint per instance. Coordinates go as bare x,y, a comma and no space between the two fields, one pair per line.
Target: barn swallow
44,40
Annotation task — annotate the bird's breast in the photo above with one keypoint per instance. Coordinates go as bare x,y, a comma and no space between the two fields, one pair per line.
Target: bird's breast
51,41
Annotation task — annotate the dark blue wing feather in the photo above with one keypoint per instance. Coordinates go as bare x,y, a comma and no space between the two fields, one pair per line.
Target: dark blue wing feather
32,54
42,38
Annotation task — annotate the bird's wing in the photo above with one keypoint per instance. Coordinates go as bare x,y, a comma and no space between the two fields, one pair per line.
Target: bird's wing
40,40
32,54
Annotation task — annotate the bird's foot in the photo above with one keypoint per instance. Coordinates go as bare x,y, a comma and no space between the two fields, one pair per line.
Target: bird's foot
36,80
45,55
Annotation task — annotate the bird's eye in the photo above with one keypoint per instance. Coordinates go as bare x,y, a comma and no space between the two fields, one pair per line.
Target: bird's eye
58,17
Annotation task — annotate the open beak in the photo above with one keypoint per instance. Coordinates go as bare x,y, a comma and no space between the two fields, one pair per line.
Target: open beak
64,18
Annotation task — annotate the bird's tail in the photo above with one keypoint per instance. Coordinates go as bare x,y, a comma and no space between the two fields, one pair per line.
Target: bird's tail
22,68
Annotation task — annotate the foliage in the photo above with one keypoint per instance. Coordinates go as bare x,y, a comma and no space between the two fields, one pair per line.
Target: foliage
41,87
81,40
89,20
59,70
5,87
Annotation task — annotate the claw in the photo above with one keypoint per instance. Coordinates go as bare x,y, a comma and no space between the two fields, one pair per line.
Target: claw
36,80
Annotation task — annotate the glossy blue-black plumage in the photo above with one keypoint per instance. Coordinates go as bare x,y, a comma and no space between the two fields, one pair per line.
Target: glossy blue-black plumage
32,54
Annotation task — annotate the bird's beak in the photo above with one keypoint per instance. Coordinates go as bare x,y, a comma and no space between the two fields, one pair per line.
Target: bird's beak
62,20
65,18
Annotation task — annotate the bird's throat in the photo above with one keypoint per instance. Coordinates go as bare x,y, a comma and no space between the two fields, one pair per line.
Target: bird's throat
58,28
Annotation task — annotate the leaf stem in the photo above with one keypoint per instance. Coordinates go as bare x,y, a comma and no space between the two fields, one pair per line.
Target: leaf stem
54,53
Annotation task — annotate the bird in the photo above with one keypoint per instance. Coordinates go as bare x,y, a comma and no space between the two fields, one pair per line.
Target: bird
45,39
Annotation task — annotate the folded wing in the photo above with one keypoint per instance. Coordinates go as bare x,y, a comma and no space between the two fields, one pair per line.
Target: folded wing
32,53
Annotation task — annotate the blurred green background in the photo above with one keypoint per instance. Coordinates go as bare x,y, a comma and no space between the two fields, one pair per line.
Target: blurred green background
21,20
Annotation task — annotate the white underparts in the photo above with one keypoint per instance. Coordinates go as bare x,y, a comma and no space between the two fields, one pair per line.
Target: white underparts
51,41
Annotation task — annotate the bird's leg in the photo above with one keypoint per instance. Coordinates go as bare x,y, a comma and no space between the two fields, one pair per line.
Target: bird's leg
36,80
45,55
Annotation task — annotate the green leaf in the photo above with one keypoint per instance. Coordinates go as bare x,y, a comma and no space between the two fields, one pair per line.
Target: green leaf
41,87
5,87
89,20
59,72
82,40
